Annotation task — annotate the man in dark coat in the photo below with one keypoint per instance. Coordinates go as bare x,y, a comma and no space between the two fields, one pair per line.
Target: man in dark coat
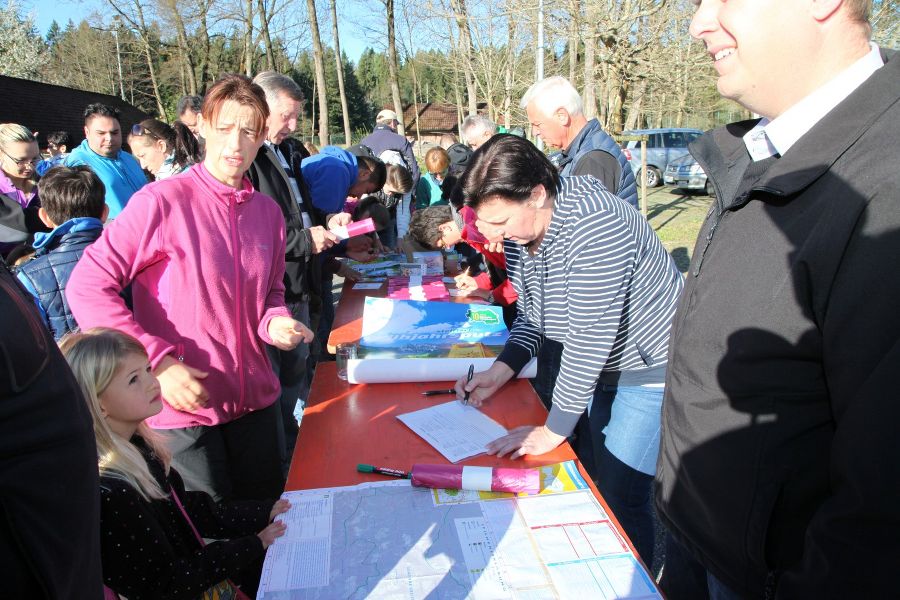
276,173
778,474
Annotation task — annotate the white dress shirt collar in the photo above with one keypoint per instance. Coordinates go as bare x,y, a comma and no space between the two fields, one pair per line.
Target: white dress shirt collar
778,135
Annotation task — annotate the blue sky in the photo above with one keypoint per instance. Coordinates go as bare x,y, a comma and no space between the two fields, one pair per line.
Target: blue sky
46,11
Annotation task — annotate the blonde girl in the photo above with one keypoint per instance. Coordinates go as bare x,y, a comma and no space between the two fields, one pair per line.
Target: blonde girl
151,529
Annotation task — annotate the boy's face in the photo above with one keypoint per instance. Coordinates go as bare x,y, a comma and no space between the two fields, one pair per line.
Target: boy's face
450,235
55,150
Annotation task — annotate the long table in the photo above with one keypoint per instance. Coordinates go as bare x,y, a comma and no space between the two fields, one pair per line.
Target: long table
346,424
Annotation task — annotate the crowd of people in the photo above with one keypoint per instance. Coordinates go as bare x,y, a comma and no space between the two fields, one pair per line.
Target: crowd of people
188,286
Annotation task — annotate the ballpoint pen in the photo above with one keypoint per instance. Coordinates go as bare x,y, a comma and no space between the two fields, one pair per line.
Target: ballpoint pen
468,379
437,392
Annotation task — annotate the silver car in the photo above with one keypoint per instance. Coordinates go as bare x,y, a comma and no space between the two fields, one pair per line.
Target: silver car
687,174
663,146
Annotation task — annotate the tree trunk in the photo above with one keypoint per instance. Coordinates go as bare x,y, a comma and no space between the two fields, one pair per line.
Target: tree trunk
345,112
457,96
632,119
203,32
264,25
149,56
248,38
319,61
415,98
394,66
574,41
465,43
588,96
184,49
508,75
136,20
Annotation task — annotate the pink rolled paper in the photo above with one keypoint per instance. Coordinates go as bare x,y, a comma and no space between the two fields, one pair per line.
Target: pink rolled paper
484,479
354,229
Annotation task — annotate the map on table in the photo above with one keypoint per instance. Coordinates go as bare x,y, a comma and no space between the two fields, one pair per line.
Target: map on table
391,540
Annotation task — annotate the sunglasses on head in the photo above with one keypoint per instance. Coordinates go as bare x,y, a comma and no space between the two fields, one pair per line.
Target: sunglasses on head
138,130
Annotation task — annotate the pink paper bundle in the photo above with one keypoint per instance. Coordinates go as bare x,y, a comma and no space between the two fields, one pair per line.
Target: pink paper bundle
424,288
484,479
344,232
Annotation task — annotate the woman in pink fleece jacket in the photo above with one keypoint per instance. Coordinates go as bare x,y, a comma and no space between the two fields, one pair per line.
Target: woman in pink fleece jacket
204,253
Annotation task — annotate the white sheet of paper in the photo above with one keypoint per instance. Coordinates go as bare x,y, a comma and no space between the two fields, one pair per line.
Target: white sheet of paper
366,286
454,429
559,509
300,558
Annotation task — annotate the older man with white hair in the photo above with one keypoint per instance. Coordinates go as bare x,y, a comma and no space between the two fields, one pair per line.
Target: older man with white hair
556,114
477,129
554,109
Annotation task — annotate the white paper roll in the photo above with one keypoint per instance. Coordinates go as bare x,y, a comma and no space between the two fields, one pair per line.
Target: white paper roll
477,478
404,370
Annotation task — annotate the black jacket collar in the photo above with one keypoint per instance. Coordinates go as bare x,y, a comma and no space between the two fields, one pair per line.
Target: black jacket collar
722,151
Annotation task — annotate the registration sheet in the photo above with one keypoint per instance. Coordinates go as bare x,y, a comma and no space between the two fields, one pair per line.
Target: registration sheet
454,429
391,540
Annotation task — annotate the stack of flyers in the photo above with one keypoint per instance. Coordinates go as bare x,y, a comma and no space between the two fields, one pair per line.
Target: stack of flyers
433,262
417,288
411,269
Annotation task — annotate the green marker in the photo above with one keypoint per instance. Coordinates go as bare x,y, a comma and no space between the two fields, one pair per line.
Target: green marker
382,471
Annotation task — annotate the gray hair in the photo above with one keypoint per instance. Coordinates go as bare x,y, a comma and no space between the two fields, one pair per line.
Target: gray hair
192,103
274,84
554,93
480,121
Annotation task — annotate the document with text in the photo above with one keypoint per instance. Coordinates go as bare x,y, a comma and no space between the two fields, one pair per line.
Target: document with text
454,429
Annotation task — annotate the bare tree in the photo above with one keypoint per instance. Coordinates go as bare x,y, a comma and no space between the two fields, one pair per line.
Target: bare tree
249,48
264,18
345,112
132,13
319,62
394,65
467,50
173,12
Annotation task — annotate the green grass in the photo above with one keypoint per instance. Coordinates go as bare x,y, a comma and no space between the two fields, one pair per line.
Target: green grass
676,217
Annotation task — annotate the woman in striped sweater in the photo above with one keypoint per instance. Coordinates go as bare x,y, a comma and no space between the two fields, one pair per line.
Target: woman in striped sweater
592,275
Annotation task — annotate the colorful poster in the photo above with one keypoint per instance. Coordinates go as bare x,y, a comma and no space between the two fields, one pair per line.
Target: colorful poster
414,329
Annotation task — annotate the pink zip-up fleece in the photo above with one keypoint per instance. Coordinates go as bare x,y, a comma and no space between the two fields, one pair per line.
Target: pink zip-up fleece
206,263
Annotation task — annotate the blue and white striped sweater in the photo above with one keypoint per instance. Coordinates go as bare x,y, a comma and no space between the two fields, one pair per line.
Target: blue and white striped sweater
601,284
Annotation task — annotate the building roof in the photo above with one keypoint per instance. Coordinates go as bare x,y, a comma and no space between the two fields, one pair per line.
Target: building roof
434,117
44,107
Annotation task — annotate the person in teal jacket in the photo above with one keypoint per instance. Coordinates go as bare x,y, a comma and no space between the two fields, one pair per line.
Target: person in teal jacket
428,190
102,151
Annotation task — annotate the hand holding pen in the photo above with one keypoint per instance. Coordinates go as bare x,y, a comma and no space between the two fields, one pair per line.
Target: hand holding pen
475,388
468,381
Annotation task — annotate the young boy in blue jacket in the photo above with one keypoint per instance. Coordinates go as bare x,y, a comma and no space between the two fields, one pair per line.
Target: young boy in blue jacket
73,204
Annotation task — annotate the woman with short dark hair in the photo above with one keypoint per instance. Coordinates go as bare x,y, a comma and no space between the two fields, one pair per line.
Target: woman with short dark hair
591,275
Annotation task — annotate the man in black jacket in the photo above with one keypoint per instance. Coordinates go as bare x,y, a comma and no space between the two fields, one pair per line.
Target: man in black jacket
276,173
778,474
49,486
